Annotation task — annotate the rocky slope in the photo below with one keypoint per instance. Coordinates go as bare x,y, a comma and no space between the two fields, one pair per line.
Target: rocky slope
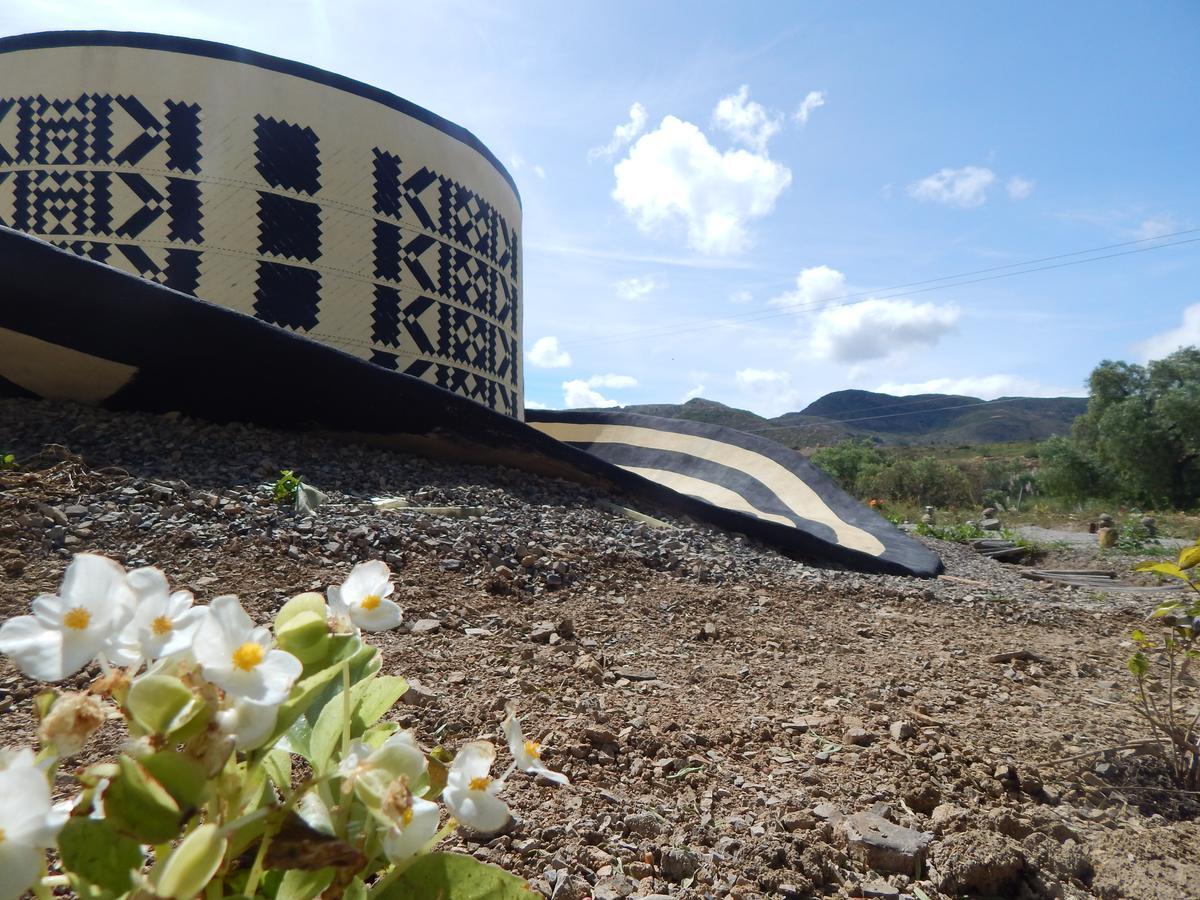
735,723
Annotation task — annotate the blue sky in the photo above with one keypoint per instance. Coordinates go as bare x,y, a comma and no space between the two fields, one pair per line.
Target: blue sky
717,200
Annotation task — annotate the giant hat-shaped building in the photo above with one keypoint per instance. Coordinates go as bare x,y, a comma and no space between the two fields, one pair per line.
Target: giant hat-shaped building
190,226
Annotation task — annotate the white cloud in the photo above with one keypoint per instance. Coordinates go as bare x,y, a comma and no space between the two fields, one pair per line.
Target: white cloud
814,285
1187,334
533,404
612,381
516,162
813,100
576,393
966,187
546,354
673,174
1157,226
770,390
741,297
692,394
746,121
636,288
748,377
622,134
988,387
875,329
1019,188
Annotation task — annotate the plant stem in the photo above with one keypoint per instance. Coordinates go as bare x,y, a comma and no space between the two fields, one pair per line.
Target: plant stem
346,709
256,870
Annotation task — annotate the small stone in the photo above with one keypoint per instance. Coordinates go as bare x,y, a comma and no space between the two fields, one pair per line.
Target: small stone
452,565
646,824
541,631
425,626
880,889
858,737
418,695
679,863
883,846
708,632
901,731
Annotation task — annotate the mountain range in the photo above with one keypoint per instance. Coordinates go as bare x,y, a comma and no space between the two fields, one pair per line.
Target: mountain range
948,419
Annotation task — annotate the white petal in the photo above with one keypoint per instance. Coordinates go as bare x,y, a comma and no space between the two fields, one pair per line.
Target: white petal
26,806
278,672
148,583
478,810
473,761
20,867
98,585
35,649
400,757
401,843
225,628
539,769
384,616
49,609
249,723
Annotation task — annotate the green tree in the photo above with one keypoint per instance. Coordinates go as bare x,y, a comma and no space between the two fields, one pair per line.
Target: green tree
1140,437
850,463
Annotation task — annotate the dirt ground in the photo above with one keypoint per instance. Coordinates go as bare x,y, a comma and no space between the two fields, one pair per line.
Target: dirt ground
727,717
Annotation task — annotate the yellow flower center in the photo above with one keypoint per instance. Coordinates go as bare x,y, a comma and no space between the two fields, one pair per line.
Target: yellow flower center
534,749
247,656
77,618
1,835
481,783
406,816
371,601
161,625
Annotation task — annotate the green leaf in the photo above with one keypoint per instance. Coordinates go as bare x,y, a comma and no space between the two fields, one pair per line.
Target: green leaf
326,734
1138,664
278,766
184,778
191,865
1169,569
1189,557
453,876
372,698
355,890
139,806
300,885
164,705
93,850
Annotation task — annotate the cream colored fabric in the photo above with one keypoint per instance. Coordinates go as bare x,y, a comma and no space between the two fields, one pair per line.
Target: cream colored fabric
57,372
705,490
791,491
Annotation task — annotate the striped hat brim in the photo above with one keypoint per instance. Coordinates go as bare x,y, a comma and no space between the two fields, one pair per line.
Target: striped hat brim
77,329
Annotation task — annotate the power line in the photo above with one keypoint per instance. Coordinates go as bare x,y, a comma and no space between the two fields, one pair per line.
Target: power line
959,280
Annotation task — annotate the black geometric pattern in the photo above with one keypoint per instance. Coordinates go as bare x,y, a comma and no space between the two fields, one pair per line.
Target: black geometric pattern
178,269
80,131
289,228
287,155
287,296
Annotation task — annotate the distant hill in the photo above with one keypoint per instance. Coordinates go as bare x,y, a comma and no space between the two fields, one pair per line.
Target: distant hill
920,419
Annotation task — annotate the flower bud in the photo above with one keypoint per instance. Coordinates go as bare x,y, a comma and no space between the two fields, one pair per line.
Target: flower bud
72,719
192,865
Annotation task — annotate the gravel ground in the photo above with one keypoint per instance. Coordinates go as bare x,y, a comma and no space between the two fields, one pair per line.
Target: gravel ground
734,722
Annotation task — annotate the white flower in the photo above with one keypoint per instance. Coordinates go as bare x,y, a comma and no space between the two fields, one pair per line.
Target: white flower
28,822
163,623
238,657
68,629
362,598
415,825
371,772
248,723
527,754
470,792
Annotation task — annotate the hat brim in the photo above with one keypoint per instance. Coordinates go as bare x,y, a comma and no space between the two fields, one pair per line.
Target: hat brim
76,329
